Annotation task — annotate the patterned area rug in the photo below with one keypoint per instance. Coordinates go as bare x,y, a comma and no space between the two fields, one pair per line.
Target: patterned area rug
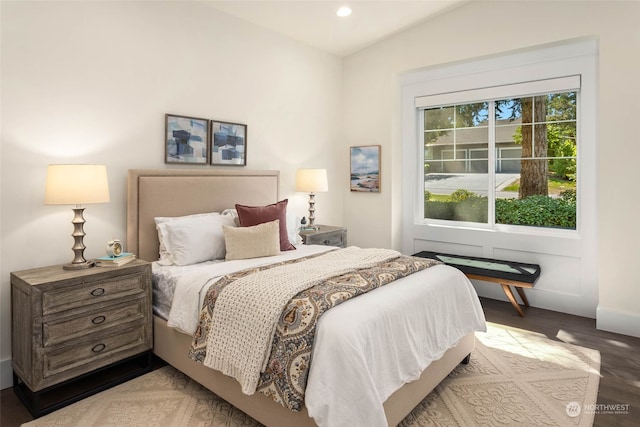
515,377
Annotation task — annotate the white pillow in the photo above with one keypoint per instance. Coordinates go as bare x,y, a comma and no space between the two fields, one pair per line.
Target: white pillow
252,242
293,228
234,214
165,256
191,239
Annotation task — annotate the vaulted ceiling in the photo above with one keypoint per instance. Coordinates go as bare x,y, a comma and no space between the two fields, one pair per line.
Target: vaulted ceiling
316,23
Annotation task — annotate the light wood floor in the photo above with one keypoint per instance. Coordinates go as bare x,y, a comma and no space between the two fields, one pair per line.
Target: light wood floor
620,361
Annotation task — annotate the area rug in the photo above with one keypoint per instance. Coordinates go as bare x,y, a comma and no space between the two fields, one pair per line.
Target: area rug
515,377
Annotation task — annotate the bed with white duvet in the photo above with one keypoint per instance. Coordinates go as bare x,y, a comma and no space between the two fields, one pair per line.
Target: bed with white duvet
371,357
365,348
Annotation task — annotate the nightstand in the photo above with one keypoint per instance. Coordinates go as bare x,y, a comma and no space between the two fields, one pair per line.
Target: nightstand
71,325
325,235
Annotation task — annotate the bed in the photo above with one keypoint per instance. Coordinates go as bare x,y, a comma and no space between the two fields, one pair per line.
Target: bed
179,192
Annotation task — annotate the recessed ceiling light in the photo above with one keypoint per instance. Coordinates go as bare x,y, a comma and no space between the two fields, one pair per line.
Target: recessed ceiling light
344,11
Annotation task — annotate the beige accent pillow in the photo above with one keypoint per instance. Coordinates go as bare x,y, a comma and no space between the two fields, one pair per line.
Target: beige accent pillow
254,215
252,242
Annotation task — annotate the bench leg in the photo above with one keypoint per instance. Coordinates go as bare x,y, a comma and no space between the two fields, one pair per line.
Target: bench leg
522,295
512,298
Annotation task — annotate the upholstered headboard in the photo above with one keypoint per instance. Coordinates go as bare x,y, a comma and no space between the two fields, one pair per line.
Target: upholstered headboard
177,192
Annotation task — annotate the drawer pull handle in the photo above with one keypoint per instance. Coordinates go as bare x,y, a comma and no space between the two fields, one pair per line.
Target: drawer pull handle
98,348
97,292
326,242
98,319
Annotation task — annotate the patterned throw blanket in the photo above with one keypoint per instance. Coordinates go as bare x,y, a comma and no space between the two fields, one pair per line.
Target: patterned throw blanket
237,339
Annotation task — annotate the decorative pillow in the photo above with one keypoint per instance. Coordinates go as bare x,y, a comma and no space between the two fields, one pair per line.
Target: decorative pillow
252,242
293,221
191,239
254,215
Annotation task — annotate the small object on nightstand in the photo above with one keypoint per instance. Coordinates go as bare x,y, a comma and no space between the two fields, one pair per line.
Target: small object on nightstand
325,235
114,248
115,261
304,227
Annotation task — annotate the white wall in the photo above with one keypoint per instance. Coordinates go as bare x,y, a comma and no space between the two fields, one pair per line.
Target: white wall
372,116
90,82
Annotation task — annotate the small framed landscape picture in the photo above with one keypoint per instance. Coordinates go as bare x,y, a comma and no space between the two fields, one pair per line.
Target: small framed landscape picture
186,140
228,143
365,169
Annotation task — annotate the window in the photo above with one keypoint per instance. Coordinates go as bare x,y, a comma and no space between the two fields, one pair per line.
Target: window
503,161
474,119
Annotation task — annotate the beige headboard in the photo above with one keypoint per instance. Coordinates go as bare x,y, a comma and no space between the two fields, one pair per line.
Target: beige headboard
177,192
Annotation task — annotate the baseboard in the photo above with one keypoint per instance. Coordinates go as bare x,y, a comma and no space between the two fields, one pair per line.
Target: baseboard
618,321
6,374
554,301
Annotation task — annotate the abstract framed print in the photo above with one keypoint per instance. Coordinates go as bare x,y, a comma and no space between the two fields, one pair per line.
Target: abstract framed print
228,143
186,140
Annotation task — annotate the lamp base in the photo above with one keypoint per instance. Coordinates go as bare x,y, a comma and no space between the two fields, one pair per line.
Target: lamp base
79,265
312,209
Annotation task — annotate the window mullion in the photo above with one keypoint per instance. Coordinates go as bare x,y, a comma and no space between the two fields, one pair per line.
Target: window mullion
491,167
421,156
533,127
455,134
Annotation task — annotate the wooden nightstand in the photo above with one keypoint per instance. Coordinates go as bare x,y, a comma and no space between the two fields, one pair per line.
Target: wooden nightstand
325,235
68,324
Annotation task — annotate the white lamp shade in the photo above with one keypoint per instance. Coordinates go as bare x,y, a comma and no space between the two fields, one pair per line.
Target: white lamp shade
312,180
76,185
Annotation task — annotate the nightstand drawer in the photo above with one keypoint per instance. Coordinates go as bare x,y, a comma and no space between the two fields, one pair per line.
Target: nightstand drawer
72,327
325,235
95,351
81,294
327,239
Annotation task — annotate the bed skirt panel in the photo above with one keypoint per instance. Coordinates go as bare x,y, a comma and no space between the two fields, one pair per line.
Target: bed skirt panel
173,347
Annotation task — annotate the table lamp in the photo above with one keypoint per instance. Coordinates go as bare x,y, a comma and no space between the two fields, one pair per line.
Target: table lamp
77,185
312,181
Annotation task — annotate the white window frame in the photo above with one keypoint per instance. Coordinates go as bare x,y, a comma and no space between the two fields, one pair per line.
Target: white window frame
497,78
568,256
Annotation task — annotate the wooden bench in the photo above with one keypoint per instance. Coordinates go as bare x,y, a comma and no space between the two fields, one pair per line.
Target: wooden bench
505,273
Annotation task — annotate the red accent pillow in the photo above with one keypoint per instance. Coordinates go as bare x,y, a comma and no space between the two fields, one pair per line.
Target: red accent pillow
253,215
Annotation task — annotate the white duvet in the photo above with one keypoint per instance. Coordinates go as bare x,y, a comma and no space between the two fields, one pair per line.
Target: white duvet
365,348
190,283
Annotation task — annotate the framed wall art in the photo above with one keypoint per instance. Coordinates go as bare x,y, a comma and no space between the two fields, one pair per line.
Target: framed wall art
186,140
365,169
228,143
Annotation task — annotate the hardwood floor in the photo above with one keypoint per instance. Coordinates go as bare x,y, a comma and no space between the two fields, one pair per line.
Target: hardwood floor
620,362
